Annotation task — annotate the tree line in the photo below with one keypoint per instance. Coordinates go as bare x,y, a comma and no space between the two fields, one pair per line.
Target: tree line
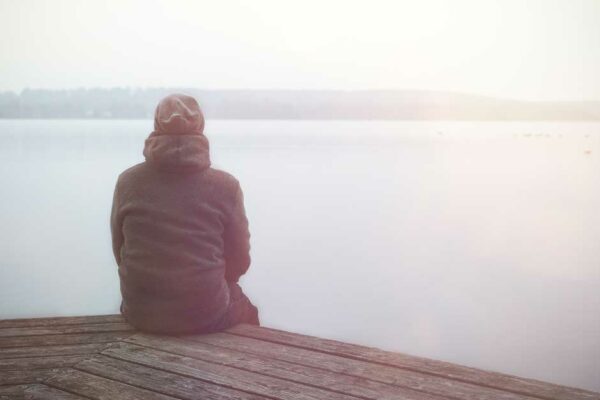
135,103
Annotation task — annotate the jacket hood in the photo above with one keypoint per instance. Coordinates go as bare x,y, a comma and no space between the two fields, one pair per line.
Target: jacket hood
177,152
178,114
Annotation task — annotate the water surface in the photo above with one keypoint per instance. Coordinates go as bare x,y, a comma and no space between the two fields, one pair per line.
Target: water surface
475,243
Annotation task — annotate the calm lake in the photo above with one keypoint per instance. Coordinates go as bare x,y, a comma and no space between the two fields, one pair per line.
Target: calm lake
471,242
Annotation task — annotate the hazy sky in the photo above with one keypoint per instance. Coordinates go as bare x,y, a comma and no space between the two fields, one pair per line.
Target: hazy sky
510,48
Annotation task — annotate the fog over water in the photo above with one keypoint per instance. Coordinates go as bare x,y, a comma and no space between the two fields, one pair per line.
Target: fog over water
469,242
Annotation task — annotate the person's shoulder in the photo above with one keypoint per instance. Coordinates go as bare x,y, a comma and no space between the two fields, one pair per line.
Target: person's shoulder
223,176
132,171
227,184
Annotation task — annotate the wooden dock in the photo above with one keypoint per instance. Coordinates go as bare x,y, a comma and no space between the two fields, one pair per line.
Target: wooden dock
102,357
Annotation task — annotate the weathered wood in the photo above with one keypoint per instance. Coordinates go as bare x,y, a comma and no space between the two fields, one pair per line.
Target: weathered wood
29,363
381,373
443,369
95,387
12,392
66,329
160,381
58,358
42,351
54,340
36,391
23,377
43,392
220,374
54,321
344,384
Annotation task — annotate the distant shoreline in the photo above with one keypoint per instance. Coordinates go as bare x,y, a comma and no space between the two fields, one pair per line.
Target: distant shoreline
403,105
302,119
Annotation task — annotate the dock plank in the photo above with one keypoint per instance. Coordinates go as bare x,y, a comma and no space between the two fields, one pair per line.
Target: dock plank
96,387
20,377
54,340
12,392
344,384
443,369
66,329
221,375
102,357
160,381
43,392
49,362
42,351
409,379
57,321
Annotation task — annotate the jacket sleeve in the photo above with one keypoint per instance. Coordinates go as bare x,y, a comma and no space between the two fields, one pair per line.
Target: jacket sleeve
237,240
116,228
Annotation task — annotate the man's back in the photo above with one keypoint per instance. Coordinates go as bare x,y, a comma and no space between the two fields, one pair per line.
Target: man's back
179,235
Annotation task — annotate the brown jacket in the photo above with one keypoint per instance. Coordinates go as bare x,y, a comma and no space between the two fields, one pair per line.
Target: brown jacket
179,233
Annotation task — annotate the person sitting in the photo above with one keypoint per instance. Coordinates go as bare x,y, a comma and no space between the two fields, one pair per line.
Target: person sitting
179,231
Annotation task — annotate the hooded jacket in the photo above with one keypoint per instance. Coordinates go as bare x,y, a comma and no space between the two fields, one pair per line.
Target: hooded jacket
179,230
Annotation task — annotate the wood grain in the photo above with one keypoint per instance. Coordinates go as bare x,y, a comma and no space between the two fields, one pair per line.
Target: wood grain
344,384
12,392
102,357
19,377
54,321
55,340
96,387
220,375
160,381
41,351
408,379
66,329
30,363
43,392
447,370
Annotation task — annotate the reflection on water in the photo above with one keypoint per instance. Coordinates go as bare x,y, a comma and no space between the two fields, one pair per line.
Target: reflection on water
469,242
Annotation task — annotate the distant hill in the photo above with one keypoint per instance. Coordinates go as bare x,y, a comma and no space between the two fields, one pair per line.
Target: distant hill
128,103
